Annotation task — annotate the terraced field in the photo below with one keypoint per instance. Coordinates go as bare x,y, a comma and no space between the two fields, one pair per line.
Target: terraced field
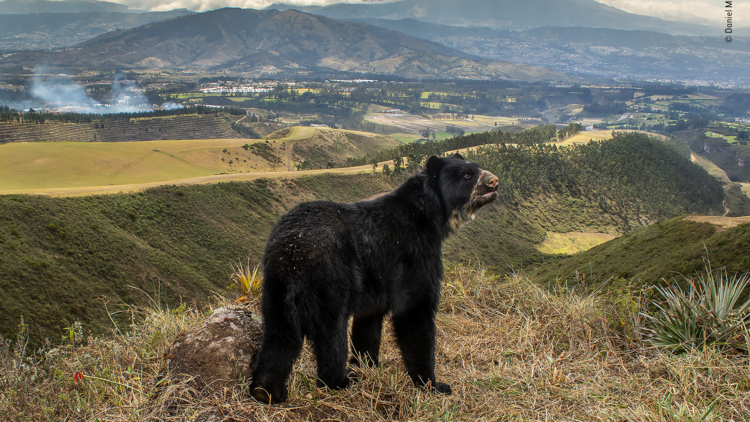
133,130
413,124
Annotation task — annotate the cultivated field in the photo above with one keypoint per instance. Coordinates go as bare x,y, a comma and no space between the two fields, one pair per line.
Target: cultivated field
185,127
730,139
725,222
573,242
75,168
585,137
413,124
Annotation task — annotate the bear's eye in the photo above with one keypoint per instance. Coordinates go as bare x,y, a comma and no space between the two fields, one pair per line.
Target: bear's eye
468,174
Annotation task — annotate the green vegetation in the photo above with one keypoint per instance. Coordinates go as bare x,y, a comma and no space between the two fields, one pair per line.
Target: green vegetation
182,127
708,314
264,150
729,139
8,114
631,176
58,255
654,253
417,152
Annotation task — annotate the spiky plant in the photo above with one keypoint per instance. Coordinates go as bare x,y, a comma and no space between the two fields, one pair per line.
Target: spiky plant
706,314
248,280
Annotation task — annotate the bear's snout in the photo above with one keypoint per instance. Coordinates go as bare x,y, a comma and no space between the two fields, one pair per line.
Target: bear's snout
489,180
485,190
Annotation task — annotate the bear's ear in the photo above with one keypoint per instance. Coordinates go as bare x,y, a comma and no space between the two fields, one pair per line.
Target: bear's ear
433,166
459,156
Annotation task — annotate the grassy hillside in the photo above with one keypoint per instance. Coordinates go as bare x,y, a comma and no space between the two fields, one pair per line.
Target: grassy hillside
58,255
25,167
563,356
734,160
179,240
654,253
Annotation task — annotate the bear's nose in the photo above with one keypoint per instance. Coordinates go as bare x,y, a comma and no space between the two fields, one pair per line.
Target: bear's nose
490,179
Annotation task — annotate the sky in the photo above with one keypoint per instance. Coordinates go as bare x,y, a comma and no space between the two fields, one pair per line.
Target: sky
705,12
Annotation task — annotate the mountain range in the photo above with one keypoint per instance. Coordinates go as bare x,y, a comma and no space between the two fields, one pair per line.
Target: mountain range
269,42
505,14
66,6
596,52
42,31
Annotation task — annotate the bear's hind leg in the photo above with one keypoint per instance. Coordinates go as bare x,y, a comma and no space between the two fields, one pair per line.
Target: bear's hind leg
415,336
329,341
282,343
366,334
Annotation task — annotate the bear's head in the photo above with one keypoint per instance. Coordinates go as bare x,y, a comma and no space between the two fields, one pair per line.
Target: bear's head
463,187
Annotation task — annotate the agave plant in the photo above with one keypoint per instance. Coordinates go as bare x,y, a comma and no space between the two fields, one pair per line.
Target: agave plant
705,314
247,280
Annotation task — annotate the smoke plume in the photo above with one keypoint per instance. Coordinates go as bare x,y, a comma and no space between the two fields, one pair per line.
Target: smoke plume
60,93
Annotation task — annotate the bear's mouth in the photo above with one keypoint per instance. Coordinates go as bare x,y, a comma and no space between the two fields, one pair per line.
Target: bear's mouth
484,194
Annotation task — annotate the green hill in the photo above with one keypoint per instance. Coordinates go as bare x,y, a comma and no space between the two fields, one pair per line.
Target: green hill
658,252
59,255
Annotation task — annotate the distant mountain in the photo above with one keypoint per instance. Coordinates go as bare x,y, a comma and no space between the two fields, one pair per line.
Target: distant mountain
505,14
40,31
65,6
597,52
245,40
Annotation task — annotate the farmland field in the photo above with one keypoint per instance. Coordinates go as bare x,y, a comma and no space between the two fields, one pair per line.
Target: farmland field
573,242
412,123
34,167
730,139
585,137
71,164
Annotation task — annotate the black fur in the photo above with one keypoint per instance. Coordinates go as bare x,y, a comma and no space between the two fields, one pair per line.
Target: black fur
326,262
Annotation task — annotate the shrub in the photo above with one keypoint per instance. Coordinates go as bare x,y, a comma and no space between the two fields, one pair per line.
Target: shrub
705,315
248,281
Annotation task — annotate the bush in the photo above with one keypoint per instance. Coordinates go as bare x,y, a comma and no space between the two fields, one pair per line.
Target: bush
704,315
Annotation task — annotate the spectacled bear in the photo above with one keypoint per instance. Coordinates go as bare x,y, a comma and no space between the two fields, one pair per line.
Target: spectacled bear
326,262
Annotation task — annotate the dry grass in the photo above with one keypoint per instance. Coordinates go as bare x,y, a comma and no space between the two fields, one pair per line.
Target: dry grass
573,242
511,350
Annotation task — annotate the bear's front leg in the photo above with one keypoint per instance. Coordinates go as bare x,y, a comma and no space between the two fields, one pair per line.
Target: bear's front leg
415,335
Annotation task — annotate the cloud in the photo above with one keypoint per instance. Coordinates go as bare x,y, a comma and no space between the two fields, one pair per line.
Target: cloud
204,5
710,13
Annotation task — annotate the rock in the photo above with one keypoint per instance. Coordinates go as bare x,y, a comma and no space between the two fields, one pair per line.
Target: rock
220,353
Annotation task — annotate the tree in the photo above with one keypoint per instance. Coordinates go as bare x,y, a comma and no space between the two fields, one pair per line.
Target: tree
397,163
